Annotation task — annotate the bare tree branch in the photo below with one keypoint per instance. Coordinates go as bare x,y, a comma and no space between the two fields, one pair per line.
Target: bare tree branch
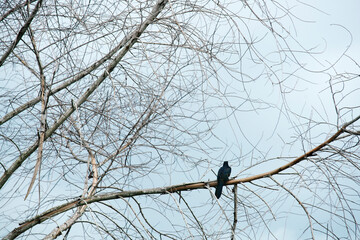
44,100
21,32
128,102
162,190
129,41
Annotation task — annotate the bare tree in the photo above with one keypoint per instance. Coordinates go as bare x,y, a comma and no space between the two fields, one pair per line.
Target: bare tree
116,115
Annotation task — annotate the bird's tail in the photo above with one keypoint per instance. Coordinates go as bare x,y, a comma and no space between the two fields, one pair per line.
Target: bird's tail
218,190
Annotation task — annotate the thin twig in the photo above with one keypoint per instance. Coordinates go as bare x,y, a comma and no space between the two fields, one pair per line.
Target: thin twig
300,203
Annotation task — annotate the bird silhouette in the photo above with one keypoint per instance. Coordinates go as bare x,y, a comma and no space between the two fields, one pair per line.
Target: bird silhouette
222,178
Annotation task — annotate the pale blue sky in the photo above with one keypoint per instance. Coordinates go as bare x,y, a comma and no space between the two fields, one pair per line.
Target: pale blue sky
269,129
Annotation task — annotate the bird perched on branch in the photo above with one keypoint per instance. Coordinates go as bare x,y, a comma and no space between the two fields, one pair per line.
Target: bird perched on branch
222,178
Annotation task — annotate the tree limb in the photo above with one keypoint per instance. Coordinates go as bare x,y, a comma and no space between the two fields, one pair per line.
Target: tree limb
164,190
21,33
129,40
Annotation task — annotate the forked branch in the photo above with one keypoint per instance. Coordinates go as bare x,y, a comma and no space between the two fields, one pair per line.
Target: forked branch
166,190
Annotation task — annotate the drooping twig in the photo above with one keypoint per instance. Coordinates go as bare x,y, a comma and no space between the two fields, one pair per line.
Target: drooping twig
163,190
44,100
129,41
300,203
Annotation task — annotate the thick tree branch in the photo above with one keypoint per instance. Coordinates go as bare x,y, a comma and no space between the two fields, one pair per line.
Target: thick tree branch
233,227
67,83
164,190
130,40
14,9
21,33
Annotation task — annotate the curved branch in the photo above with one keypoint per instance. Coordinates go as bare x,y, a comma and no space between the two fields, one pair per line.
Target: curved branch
129,41
164,190
297,160
67,83
300,203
